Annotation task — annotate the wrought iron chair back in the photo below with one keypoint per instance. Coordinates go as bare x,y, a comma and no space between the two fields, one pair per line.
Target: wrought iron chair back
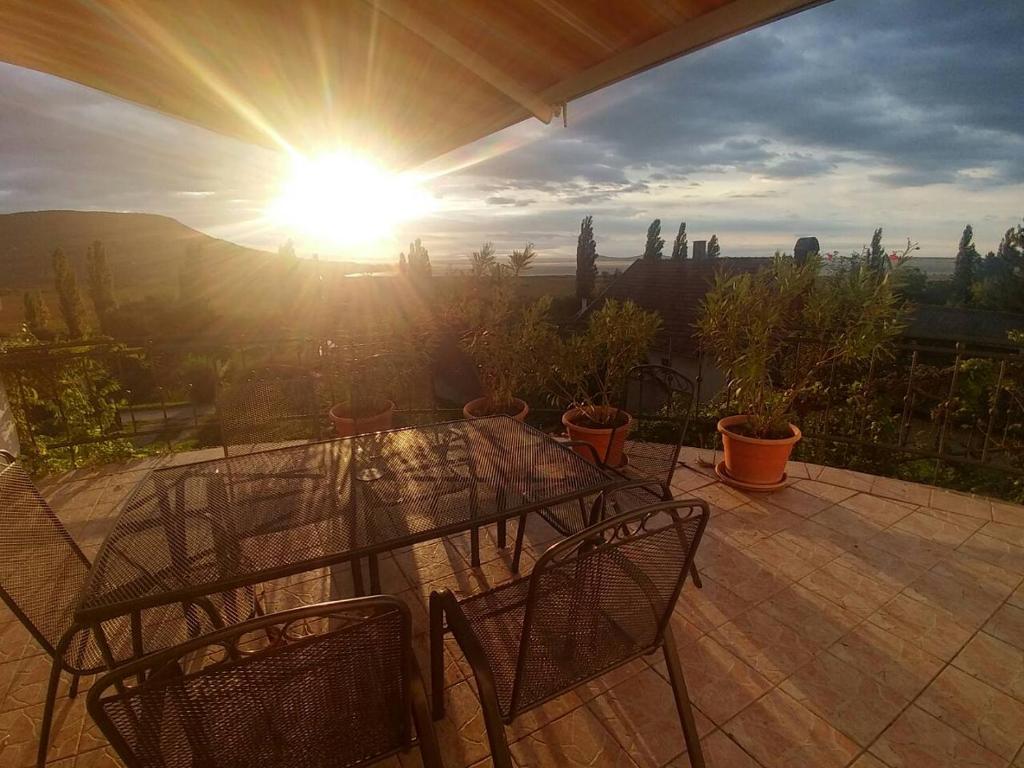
42,569
604,596
268,408
328,684
661,401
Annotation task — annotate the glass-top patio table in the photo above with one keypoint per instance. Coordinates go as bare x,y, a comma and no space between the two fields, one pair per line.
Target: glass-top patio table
198,529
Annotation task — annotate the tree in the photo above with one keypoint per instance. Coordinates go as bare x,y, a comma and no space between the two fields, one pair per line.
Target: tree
1000,282
586,260
418,261
286,250
101,284
521,261
403,265
714,250
680,248
483,261
966,267
68,296
38,319
652,250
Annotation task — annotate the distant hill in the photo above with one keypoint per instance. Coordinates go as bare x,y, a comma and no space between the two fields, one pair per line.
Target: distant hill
144,251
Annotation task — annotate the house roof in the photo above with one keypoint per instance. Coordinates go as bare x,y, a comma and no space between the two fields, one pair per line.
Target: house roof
674,289
406,81
972,326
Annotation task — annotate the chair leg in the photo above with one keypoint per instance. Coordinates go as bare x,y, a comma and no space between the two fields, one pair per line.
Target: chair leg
682,697
430,750
47,722
517,553
474,547
695,576
73,690
374,575
357,577
437,657
502,534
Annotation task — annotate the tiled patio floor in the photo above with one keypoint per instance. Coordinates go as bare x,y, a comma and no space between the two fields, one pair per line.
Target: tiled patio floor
845,620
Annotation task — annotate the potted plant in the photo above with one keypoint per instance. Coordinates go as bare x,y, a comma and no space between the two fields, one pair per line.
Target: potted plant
748,324
589,373
506,351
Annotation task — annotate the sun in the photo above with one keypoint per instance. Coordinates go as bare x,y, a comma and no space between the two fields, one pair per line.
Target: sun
343,200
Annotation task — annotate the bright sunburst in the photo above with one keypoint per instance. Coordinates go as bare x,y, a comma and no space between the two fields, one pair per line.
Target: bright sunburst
344,200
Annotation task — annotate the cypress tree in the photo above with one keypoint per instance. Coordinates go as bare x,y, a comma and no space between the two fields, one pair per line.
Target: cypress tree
714,250
38,319
680,248
966,267
655,243
69,298
101,284
586,260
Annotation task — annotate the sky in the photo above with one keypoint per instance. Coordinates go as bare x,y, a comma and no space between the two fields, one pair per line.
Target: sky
904,114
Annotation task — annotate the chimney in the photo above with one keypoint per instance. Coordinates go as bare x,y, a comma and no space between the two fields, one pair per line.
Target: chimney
700,249
804,247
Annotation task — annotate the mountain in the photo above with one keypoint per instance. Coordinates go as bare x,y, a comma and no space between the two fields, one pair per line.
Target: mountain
144,250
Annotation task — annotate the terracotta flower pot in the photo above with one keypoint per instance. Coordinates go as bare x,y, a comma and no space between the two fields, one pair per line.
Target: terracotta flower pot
481,407
606,441
755,460
347,424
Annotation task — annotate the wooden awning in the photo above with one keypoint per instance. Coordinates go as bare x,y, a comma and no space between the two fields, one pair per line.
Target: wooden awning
404,80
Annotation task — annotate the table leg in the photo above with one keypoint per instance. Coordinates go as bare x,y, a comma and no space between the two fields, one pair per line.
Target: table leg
502,534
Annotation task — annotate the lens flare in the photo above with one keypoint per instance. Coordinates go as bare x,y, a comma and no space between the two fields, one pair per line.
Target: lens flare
343,200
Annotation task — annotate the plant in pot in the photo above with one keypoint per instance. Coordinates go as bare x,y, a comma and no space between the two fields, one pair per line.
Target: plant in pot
589,371
506,350
361,390
778,335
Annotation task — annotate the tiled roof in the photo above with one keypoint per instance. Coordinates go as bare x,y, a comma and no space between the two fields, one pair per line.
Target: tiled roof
674,289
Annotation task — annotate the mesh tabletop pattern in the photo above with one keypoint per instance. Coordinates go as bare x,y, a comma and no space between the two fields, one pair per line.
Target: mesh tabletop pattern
199,528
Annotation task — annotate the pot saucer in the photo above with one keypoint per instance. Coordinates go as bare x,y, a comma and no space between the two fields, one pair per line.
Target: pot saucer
728,479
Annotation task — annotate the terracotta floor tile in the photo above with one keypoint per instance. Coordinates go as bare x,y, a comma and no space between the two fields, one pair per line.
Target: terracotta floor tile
787,558
781,733
811,533
1017,598
853,702
848,522
1011,514
721,496
901,490
883,512
845,478
880,566
736,529
935,529
710,606
797,501
766,644
977,710
980,573
917,740
685,480
1008,625
995,551
828,493
720,684
891,660
461,733
719,752
820,620
911,548
868,761
961,503
999,664
1013,534
848,589
931,629
744,576
576,739
641,714
969,604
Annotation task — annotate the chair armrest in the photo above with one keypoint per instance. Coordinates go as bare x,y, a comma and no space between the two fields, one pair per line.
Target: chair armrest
459,626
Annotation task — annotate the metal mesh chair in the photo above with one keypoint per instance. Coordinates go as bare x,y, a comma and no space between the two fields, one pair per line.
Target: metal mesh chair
593,602
661,401
42,572
269,408
332,684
